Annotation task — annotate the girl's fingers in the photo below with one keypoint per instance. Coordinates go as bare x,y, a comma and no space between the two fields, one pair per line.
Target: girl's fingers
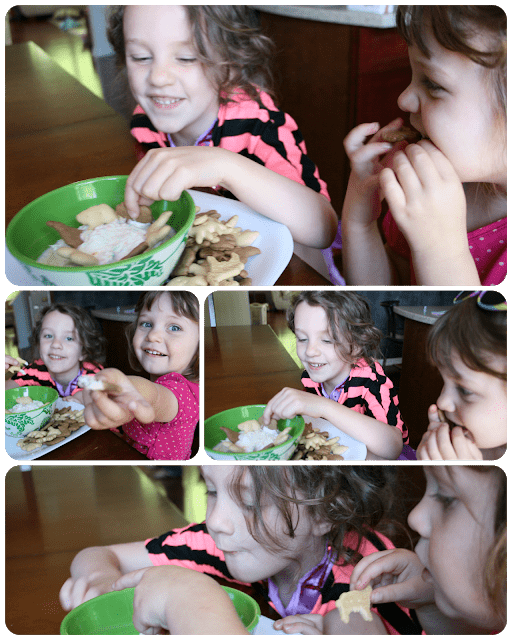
129,580
358,135
391,190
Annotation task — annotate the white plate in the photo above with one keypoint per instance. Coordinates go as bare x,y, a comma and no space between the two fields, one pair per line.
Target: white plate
275,242
17,452
356,449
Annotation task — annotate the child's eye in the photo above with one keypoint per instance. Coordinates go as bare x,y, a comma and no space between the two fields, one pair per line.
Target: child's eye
47,336
70,339
174,327
301,339
211,493
445,501
140,58
145,324
187,60
464,393
431,86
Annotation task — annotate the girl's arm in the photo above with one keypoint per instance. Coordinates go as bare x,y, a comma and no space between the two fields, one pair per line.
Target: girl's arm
95,569
164,173
182,601
381,439
364,255
137,397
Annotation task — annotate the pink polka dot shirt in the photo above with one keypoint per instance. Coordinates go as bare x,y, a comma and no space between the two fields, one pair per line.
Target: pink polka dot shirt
168,440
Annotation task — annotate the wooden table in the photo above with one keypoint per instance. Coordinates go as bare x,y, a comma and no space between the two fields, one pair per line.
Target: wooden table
420,381
54,512
58,132
95,445
245,365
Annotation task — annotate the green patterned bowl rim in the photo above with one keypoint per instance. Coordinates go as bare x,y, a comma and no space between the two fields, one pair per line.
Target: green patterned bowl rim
102,267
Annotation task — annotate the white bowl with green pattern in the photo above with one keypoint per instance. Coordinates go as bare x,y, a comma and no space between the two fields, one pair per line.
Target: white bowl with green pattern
18,424
28,236
231,418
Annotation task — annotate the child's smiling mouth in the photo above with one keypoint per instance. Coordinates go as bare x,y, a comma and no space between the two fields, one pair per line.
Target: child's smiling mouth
152,352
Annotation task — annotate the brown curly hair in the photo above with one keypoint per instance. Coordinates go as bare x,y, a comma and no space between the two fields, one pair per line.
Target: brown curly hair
184,304
353,499
89,331
350,322
473,333
229,44
455,28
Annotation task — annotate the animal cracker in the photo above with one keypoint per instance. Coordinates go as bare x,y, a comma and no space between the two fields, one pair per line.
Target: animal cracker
357,602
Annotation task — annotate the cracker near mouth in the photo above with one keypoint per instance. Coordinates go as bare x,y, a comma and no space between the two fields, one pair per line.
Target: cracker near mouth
404,133
355,601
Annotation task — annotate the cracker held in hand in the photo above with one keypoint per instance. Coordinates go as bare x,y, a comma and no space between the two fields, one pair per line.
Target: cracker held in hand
357,601
92,383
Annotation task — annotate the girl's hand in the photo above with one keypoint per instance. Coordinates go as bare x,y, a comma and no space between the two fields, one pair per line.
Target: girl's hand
440,442
77,590
289,403
107,410
164,173
362,197
180,600
396,576
308,624
10,362
427,200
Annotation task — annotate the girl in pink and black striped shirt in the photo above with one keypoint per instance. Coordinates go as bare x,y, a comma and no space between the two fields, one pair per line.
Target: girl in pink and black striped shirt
70,344
337,343
205,116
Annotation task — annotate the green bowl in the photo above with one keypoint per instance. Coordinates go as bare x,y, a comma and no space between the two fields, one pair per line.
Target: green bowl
231,418
111,614
28,236
19,424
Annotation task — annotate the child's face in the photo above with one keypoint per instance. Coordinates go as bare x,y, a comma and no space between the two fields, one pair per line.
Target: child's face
477,401
164,75
450,100
316,348
60,346
247,559
455,520
164,341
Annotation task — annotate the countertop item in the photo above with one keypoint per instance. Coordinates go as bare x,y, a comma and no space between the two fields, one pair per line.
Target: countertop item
427,315
338,14
120,314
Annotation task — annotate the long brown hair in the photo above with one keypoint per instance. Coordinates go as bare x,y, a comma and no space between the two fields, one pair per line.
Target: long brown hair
353,499
350,322
472,333
184,304
229,44
88,329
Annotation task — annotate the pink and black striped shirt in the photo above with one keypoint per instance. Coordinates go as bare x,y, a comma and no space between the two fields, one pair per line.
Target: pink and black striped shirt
193,547
36,373
369,391
255,129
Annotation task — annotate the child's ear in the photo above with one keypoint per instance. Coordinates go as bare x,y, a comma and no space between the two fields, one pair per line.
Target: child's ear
321,528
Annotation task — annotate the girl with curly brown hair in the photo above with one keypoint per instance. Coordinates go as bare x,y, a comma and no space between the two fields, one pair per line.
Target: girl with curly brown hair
456,579
294,533
69,343
205,116
337,343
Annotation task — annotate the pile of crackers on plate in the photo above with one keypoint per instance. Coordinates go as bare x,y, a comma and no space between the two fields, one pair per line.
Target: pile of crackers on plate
317,445
215,253
61,425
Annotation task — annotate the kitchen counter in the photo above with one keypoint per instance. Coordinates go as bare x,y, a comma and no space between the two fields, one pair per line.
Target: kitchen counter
119,314
426,315
334,14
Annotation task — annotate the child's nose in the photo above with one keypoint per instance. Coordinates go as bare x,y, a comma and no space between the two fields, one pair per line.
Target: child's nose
155,335
162,74
408,100
218,519
312,348
418,520
445,401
